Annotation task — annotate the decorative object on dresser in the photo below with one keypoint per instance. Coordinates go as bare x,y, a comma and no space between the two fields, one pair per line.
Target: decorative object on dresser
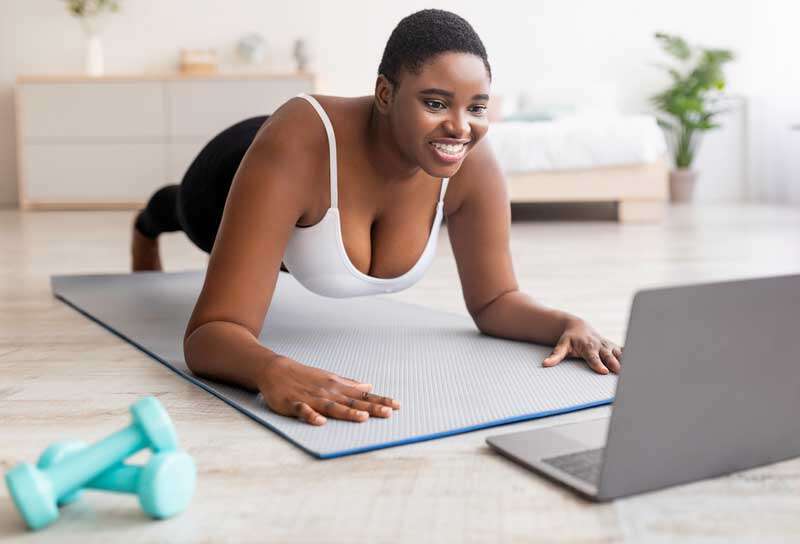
690,105
252,48
110,142
198,61
301,54
93,15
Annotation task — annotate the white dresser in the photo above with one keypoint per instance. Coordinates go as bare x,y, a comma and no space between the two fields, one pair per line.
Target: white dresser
109,142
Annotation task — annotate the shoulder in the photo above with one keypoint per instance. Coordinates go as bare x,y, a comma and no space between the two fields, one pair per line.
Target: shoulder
479,177
291,150
294,127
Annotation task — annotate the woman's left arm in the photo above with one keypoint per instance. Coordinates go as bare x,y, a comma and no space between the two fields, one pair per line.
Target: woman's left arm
479,229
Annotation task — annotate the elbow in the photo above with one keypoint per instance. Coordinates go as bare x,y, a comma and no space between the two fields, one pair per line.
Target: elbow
187,356
482,315
481,323
484,328
189,339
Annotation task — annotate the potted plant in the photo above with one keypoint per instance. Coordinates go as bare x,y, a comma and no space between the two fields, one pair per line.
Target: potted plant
92,16
689,106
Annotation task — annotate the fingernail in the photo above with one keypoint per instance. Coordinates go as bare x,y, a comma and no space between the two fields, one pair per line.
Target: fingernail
386,411
319,420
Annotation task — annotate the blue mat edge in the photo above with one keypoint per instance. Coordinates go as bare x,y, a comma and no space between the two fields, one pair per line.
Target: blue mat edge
313,453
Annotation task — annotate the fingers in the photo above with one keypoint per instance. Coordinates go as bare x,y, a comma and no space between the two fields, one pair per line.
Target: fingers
366,396
312,395
559,352
602,355
339,411
342,407
372,409
610,360
306,413
591,356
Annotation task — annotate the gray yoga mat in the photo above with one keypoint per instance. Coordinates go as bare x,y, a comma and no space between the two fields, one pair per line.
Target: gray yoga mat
448,377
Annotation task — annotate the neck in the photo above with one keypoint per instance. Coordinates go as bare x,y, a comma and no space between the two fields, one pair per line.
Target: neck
384,154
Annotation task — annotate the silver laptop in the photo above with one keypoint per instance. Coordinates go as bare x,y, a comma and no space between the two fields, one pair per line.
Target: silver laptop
710,384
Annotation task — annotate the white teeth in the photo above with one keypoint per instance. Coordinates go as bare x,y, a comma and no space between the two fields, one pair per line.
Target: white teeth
449,149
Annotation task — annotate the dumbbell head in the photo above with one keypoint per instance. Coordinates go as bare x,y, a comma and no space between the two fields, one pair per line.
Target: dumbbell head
155,424
166,484
33,495
57,453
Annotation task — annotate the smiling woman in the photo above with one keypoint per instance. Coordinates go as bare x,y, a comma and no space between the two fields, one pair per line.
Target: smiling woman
347,195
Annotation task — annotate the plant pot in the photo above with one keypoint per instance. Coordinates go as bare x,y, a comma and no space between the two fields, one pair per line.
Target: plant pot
681,184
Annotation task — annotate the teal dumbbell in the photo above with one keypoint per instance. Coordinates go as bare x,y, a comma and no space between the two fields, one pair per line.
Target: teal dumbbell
36,492
165,485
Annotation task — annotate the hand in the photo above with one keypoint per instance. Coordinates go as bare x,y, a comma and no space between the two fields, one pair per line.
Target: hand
581,340
309,394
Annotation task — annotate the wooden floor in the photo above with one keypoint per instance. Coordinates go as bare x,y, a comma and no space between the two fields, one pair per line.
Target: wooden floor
63,376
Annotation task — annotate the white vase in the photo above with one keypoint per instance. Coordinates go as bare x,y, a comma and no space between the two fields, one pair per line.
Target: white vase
94,45
94,55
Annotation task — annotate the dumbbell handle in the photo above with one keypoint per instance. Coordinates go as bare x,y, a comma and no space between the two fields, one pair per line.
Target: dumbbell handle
122,479
70,474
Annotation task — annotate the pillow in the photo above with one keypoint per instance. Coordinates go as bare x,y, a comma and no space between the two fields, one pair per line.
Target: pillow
545,101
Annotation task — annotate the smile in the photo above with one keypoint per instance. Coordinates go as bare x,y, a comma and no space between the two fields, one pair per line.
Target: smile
449,152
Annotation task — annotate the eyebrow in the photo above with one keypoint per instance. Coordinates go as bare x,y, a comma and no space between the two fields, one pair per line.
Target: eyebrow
449,94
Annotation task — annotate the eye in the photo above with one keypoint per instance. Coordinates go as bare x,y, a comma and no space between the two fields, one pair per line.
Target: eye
435,105
478,109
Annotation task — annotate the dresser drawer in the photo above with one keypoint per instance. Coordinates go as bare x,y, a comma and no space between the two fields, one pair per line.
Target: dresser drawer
92,112
202,109
93,172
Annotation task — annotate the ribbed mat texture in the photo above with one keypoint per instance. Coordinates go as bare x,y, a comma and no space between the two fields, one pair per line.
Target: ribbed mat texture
448,377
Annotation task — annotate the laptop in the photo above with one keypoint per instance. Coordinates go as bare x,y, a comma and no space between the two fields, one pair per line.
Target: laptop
710,384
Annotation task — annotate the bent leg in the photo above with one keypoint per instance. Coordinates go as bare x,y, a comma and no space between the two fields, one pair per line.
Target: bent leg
158,216
161,213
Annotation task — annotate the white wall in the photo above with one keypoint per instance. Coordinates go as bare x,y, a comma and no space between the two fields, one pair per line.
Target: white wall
567,43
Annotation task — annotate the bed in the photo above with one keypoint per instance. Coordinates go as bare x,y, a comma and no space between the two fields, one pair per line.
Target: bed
600,157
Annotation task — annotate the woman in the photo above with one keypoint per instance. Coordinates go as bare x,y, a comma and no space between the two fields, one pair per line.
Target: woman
269,192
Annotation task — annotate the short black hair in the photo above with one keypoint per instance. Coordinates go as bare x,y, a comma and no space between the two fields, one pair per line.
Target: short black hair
423,35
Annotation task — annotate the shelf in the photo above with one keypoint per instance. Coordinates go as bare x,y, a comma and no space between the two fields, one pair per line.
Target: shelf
160,76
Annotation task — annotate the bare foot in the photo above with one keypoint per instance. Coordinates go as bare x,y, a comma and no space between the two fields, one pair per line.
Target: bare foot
144,253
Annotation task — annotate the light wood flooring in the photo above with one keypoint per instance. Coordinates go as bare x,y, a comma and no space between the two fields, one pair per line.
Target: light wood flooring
63,376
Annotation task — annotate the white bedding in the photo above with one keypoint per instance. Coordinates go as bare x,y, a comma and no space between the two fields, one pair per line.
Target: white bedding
577,142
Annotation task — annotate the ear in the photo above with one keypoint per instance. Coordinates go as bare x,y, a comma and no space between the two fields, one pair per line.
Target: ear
384,93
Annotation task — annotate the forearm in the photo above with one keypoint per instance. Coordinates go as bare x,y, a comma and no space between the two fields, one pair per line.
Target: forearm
515,315
227,352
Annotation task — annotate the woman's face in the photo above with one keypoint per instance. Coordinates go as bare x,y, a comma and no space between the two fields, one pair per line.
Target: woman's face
438,115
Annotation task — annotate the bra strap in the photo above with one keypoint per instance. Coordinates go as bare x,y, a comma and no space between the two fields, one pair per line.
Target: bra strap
331,147
444,188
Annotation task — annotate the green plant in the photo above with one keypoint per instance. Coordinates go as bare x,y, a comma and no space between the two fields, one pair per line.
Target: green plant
690,102
89,8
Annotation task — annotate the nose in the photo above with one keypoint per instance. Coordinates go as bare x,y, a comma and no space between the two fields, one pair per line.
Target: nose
457,125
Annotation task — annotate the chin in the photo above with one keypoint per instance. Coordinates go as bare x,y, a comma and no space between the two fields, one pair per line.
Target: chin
438,171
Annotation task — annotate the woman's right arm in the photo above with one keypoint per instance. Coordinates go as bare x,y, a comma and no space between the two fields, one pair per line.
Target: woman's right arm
267,197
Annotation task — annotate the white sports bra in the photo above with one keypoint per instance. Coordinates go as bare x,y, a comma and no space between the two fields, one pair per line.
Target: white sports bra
316,257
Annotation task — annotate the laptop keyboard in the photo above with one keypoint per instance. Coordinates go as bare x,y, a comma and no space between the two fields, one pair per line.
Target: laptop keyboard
584,465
